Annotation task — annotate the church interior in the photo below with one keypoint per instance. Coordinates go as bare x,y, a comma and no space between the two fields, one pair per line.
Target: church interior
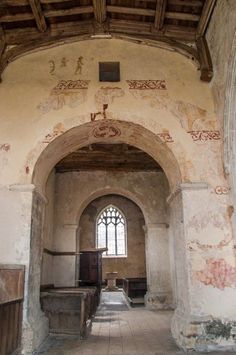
117,177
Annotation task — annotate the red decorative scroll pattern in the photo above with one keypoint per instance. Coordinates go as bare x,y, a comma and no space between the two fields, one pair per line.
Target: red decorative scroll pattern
146,84
204,136
106,130
65,85
166,137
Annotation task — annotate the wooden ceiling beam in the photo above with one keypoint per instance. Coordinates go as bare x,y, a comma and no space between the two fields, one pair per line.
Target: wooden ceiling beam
78,10
14,3
2,48
205,17
27,16
64,29
38,15
17,36
69,29
130,10
182,16
192,3
99,10
206,66
160,14
180,32
129,26
54,1
49,13
2,40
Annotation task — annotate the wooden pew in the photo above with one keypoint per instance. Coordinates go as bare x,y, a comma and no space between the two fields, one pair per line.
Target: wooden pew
11,307
70,310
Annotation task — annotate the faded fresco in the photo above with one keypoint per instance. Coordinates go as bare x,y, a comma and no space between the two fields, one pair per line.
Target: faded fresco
217,273
70,93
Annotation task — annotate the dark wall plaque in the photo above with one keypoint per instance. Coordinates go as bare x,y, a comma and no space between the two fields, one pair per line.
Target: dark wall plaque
109,71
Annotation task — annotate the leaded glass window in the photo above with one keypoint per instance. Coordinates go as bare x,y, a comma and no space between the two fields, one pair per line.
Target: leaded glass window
111,232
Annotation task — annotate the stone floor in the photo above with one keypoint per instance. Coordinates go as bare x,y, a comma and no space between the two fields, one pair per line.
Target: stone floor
118,329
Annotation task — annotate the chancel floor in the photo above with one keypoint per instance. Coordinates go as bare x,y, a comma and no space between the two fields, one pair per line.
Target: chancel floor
118,329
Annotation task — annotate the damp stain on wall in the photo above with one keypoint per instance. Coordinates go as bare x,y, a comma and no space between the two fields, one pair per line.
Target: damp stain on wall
218,329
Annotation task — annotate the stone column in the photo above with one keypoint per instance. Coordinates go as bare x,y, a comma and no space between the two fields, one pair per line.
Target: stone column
22,228
205,317
37,328
159,295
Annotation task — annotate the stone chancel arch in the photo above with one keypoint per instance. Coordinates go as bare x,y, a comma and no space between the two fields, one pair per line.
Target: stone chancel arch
109,131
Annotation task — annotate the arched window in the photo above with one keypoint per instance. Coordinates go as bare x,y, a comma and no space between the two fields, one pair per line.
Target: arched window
111,232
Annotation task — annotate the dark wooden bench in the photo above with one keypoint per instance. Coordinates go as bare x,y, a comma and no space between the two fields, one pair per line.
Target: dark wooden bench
135,288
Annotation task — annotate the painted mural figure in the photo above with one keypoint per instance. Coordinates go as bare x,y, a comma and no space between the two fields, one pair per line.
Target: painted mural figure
52,66
80,64
64,62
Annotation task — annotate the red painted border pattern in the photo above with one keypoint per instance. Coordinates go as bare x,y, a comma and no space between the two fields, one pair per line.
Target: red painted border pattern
65,85
146,84
203,136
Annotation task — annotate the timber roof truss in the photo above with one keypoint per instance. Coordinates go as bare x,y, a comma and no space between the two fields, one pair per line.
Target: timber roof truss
180,25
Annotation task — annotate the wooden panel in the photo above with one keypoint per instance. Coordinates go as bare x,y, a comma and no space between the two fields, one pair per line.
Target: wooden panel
90,268
11,307
11,284
135,287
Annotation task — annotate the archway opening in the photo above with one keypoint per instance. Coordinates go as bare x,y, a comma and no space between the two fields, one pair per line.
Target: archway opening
116,223
113,161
